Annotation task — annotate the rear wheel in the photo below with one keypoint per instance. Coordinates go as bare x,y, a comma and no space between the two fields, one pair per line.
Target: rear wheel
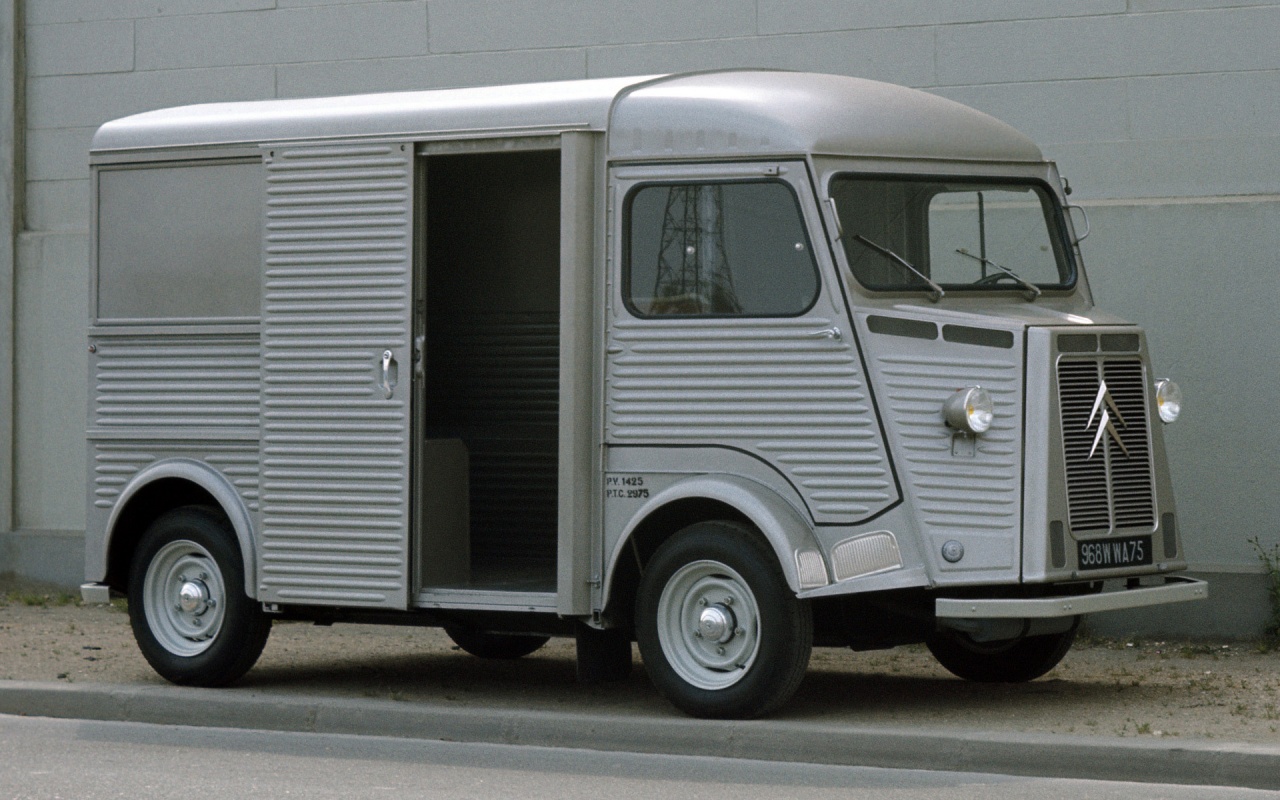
1010,661
720,632
495,645
187,606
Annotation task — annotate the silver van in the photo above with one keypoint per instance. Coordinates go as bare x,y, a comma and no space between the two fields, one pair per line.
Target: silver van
729,364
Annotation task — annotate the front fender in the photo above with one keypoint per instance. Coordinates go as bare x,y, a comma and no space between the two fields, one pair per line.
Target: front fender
213,482
787,531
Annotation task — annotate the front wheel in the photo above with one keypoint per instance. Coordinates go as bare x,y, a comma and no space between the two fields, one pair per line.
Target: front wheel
1012,661
187,606
720,632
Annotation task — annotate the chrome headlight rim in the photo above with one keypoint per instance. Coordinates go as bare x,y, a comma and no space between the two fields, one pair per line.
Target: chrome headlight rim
970,410
1168,400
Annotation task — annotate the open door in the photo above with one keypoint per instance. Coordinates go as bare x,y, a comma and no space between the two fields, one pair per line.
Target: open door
490,384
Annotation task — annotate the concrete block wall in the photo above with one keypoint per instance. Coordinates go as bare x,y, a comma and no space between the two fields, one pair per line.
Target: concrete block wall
1165,115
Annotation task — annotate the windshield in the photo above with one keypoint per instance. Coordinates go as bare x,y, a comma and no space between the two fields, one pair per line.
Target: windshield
954,234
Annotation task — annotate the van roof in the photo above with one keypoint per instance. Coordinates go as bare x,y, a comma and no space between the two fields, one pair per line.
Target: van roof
730,113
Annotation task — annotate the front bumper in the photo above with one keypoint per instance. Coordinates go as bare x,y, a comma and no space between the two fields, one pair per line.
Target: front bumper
1176,589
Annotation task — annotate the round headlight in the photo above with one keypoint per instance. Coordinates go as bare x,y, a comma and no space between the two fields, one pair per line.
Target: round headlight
970,410
1168,400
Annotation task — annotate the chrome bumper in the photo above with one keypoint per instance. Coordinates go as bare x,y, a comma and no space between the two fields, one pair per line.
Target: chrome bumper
1176,589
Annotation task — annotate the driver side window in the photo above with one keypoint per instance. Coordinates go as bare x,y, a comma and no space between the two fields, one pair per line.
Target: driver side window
713,249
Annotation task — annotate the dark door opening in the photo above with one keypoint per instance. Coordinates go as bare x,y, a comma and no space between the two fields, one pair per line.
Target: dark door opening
491,364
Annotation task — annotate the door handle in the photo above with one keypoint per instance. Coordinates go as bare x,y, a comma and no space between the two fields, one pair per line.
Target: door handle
390,373
827,333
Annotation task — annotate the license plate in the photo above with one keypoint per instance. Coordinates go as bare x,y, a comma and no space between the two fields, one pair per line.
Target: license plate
1134,551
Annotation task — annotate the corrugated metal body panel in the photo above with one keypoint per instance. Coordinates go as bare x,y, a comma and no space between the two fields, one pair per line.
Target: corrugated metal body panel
955,492
115,464
113,467
243,469
176,382
777,389
335,448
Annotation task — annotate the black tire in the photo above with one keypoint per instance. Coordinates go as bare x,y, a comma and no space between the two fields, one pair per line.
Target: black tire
212,634
721,580
1013,661
495,645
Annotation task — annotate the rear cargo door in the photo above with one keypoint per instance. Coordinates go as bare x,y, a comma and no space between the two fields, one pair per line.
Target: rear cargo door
336,340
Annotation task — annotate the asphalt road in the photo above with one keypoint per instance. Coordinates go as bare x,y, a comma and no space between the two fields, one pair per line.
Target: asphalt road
52,758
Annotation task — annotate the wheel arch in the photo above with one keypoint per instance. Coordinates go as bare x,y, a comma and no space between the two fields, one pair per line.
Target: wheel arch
701,499
161,487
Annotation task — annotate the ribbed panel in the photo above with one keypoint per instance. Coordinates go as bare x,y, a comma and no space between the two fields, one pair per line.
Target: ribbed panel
503,366
1087,491
176,382
1108,490
775,388
242,469
952,494
494,381
115,464
335,450
1131,478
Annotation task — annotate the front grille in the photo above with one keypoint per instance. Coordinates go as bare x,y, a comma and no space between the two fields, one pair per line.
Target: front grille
1107,488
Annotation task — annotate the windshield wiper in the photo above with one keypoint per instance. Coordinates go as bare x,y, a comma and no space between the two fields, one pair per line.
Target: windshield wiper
937,293
1033,291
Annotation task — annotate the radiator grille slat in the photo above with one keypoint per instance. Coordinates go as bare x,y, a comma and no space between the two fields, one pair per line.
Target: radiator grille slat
1107,488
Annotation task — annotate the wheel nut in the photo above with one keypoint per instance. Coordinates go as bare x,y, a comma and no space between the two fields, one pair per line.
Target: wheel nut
697,634
702,601
719,651
728,601
739,632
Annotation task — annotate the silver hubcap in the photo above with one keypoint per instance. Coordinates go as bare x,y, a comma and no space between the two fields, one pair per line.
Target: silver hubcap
183,598
193,597
708,625
717,623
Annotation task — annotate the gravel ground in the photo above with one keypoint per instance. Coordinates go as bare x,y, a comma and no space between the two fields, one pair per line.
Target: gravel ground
1224,691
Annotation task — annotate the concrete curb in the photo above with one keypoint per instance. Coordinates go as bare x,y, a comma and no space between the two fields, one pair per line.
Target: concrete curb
1030,754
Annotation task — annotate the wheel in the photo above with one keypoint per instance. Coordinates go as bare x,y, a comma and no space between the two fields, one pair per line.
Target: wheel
495,645
1010,661
720,632
187,605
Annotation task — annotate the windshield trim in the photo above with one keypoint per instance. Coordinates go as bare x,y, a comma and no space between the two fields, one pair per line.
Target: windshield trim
1058,233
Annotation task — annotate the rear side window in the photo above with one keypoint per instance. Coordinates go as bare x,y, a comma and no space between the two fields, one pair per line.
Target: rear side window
180,242
718,249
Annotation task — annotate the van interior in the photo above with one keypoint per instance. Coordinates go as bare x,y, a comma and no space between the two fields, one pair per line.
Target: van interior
487,468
